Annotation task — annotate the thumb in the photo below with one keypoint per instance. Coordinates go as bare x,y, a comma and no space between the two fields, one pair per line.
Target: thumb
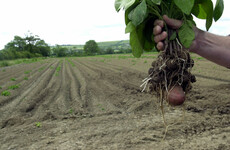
172,23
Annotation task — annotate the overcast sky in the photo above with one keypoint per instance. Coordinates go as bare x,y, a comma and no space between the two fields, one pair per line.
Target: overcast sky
73,21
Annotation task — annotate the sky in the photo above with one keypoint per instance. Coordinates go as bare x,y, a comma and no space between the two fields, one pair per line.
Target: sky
74,21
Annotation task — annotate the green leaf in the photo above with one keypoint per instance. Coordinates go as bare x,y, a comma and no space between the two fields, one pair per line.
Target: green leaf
148,34
209,10
218,11
186,35
185,5
137,40
191,23
129,28
137,48
139,13
199,12
158,2
204,10
128,11
123,4
173,36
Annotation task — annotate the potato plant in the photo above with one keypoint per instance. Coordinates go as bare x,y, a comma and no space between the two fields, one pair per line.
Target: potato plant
170,76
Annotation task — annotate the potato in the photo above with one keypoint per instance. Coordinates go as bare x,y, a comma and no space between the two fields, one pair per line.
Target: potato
176,96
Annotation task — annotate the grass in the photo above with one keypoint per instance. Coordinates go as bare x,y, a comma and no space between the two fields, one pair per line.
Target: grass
70,61
13,87
40,69
27,72
25,78
125,57
101,107
20,61
3,70
200,58
0,87
70,111
4,64
38,124
58,69
145,61
5,93
13,79
103,60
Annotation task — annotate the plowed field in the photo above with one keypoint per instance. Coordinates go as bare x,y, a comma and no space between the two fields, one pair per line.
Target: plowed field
96,103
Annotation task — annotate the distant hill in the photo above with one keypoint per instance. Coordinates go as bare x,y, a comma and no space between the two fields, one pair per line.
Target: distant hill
116,45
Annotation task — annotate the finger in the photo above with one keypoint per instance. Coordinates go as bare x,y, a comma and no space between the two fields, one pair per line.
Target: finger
157,30
159,23
160,46
173,23
160,37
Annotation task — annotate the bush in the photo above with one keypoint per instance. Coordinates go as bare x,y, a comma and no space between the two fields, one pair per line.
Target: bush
4,64
5,93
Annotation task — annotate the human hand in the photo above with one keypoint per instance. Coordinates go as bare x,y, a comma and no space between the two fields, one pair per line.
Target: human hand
159,35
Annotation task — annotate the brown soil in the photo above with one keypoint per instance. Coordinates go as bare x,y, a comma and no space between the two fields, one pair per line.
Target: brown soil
97,104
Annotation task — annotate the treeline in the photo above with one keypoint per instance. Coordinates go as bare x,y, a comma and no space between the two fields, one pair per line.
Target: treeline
32,46
27,47
90,48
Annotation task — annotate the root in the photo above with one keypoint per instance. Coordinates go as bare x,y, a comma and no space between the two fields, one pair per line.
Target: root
171,68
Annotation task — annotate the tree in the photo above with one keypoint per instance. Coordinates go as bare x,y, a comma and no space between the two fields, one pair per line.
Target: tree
109,50
60,51
91,47
28,47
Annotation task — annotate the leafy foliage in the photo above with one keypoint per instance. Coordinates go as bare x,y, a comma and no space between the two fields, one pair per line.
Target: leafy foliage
140,15
91,47
60,51
218,11
13,87
5,93
27,47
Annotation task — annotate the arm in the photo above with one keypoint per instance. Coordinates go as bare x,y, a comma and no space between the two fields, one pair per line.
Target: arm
210,46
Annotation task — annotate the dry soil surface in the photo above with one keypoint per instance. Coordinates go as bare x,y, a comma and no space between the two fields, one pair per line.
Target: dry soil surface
96,103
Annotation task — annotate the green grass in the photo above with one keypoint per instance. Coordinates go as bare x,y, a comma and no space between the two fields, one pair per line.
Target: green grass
125,57
0,87
38,124
71,111
200,58
71,62
41,69
5,93
145,61
58,69
20,61
13,79
25,78
4,64
27,72
101,107
13,87
103,60
134,61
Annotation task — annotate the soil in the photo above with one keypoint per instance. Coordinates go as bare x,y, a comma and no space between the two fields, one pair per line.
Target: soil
96,103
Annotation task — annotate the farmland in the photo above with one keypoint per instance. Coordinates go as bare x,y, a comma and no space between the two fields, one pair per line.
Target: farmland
97,103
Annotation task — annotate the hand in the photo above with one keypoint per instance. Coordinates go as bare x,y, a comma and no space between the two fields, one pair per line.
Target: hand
160,35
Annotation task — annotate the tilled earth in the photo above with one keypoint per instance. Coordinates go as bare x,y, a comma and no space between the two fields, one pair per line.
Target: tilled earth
96,103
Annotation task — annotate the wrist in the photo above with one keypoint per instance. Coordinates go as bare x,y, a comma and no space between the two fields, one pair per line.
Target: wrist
195,44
